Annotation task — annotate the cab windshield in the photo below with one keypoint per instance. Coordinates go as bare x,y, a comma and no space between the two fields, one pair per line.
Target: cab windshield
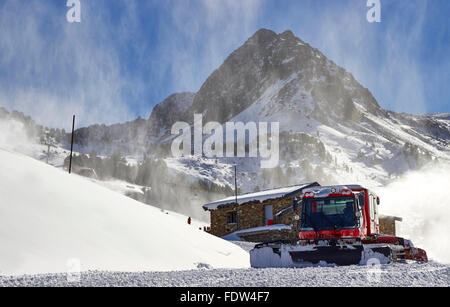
329,213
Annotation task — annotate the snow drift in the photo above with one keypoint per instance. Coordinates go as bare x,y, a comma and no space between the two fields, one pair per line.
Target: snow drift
422,199
48,217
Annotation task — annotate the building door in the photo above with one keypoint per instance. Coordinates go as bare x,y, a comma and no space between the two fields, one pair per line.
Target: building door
269,214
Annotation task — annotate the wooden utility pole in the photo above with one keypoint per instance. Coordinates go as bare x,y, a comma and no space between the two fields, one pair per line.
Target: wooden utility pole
235,183
236,193
71,145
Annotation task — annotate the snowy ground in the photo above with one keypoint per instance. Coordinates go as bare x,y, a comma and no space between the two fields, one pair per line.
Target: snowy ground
53,222
398,275
404,275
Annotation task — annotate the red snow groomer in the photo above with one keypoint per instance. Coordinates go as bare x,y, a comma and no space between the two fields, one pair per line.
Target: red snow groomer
338,225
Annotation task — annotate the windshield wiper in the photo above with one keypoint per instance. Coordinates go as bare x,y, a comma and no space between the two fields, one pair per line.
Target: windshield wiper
311,222
329,221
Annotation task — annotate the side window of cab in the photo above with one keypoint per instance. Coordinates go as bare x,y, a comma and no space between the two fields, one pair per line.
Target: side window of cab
375,205
371,207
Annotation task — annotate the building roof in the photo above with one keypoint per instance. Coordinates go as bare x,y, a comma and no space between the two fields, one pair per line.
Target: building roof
390,217
262,229
259,196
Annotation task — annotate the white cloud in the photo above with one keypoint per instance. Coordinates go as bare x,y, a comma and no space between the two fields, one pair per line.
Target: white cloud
55,74
78,69
206,32
381,56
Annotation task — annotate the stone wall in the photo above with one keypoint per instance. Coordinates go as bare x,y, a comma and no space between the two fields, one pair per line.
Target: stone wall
387,226
269,236
219,221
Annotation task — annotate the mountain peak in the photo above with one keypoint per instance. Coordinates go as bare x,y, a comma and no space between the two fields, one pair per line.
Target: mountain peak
265,37
268,60
263,34
287,34
262,37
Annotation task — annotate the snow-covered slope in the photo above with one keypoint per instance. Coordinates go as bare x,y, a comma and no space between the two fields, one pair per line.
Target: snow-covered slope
195,168
48,217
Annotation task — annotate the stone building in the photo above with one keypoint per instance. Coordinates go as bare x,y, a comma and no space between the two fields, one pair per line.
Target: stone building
254,217
387,224
266,215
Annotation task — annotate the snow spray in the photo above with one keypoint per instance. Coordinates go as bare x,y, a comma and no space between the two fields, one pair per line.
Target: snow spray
422,199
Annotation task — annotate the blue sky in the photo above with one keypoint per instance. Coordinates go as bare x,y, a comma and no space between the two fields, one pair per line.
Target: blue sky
126,56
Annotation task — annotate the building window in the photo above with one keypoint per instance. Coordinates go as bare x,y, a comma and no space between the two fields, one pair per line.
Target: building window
232,217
